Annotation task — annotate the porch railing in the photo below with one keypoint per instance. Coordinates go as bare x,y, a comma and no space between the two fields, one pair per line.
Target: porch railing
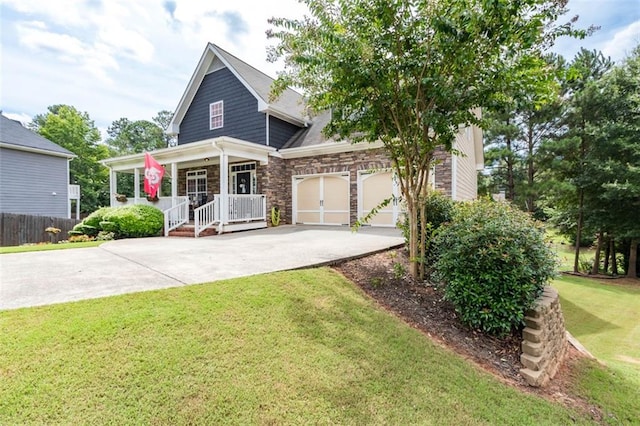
207,215
245,208
176,216
163,203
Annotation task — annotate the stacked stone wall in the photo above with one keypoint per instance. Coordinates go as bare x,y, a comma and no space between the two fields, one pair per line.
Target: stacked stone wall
544,339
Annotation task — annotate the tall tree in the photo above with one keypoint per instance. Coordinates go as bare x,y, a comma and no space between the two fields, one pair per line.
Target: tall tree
409,73
74,130
514,134
572,153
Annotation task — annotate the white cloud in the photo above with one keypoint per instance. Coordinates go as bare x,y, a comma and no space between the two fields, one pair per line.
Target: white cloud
623,41
18,116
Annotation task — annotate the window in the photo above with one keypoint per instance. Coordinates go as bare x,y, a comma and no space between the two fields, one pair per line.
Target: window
216,115
196,185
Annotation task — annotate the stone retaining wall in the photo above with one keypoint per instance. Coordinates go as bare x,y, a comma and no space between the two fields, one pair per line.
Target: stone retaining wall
544,339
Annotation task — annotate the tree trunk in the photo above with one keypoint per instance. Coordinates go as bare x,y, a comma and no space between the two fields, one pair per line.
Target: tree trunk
607,252
510,195
578,232
413,238
596,261
614,261
530,173
633,258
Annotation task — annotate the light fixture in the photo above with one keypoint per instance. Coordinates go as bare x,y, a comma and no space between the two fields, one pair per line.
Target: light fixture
206,160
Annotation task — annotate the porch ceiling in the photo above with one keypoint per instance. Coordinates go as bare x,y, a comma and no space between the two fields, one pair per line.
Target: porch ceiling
194,154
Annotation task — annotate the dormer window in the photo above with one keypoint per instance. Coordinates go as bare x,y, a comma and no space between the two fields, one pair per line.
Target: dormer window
216,115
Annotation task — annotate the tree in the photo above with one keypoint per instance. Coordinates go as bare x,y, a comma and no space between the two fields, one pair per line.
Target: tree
571,155
75,131
409,73
513,137
162,119
134,137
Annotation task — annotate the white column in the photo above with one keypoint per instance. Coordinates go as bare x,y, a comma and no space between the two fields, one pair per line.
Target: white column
113,186
136,185
174,182
224,190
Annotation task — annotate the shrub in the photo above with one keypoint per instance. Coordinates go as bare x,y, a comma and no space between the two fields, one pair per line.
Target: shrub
136,221
96,217
109,226
494,263
84,229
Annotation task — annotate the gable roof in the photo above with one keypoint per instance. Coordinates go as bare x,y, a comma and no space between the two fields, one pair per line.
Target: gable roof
14,135
289,106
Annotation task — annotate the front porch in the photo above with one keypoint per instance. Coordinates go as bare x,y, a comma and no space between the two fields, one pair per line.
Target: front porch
228,165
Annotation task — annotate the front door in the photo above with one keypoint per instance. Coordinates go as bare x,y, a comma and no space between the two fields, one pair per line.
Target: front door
242,183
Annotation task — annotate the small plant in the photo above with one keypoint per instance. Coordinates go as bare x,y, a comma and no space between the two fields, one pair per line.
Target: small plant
52,230
80,238
376,282
399,270
105,236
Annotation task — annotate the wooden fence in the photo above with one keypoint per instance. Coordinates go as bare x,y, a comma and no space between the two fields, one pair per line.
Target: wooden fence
18,229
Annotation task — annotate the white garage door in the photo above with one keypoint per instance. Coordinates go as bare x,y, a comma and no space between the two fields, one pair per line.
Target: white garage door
373,188
321,199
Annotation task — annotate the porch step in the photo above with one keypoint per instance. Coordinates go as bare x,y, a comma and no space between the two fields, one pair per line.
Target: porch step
189,232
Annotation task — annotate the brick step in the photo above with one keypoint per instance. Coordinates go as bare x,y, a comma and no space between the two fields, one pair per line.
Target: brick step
188,232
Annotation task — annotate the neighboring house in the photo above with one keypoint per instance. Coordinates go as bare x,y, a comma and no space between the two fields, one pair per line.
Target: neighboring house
34,173
239,155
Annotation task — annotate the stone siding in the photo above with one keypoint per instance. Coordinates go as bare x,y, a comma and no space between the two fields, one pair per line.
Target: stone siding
544,339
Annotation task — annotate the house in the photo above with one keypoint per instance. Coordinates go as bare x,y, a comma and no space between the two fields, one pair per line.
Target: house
239,154
34,173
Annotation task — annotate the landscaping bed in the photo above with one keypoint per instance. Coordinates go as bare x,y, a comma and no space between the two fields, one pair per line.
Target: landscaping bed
384,277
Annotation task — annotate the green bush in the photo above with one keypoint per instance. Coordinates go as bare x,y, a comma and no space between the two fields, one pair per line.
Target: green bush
84,229
96,217
136,221
439,208
109,226
494,263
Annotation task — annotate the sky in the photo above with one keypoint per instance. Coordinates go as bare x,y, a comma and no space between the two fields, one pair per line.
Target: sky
134,58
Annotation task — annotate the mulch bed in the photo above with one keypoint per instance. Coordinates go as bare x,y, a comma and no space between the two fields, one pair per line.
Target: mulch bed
384,277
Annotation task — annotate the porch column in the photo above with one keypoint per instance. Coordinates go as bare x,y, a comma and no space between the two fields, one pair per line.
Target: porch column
136,185
174,183
224,190
113,187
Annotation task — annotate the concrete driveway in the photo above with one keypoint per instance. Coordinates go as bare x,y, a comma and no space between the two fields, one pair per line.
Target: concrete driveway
128,266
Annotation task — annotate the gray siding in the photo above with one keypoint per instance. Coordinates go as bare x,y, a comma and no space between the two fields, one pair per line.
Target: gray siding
28,181
280,132
242,119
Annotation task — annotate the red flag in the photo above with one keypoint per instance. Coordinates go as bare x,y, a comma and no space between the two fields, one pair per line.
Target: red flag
153,173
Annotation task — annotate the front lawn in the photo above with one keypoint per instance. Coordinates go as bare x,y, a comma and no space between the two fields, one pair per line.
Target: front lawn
45,247
299,347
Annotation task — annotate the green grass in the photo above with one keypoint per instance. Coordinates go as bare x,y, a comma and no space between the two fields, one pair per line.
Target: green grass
605,317
298,347
46,247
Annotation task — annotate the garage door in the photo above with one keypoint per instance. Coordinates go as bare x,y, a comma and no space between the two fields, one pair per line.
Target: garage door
321,199
373,188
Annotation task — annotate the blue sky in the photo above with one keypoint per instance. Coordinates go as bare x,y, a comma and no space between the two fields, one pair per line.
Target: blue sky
125,58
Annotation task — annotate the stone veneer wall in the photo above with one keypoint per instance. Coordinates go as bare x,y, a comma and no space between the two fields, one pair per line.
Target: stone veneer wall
544,338
275,177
